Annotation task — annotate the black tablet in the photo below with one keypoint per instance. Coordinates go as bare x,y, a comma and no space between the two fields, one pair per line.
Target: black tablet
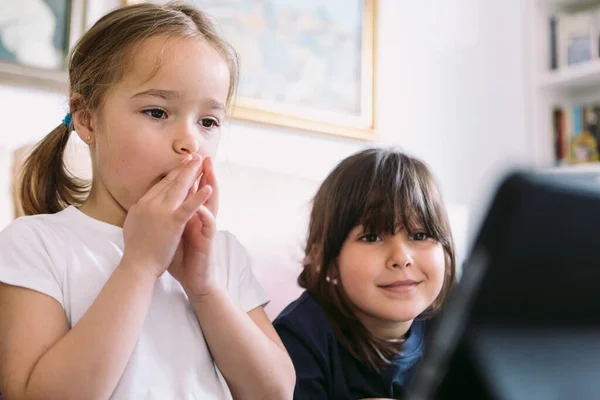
524,320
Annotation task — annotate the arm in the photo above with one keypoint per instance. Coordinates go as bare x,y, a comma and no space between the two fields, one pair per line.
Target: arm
246,348
43,359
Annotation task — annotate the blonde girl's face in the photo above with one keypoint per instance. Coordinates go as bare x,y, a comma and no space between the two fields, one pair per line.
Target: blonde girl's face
390,278
169,104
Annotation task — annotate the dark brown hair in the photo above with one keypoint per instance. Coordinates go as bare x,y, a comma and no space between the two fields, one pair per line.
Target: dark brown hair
380,189
98,60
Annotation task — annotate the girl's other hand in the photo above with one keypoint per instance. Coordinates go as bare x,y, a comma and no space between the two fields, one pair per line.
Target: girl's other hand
192,265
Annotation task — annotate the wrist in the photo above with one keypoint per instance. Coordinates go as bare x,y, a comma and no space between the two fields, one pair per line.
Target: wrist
142,269
206,294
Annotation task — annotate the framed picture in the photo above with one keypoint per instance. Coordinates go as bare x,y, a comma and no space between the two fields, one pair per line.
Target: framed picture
35,37
305,64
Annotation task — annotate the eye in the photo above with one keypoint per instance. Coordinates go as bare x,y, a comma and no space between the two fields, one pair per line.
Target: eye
156,113
209,123
370,238
418,236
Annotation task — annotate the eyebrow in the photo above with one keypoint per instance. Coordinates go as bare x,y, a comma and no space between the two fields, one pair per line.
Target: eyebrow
163,94
171,94
215,105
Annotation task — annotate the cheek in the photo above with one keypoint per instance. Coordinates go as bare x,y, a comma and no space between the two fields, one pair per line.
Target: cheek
435,268
126,163
117,155
125,148
356,275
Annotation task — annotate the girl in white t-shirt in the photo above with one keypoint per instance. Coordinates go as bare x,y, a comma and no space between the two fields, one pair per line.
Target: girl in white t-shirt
126,290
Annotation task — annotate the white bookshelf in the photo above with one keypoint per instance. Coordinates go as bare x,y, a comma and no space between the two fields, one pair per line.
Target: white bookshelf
565,4
549,88
572,80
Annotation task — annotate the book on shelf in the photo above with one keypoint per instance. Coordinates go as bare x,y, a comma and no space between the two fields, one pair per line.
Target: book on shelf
576,133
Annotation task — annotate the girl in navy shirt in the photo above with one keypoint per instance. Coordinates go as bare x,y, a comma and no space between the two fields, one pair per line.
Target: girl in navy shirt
379,264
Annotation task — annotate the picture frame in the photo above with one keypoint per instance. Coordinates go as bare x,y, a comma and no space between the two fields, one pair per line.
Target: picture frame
319,77
60,24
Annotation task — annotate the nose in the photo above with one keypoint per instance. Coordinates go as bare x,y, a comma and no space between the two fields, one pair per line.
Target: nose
186,142
400,254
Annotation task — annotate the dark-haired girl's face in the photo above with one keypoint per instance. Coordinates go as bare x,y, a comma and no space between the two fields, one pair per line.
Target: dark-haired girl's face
390,278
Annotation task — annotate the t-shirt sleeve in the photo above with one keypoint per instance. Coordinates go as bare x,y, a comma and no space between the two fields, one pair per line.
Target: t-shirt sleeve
26,260
310,378
242,284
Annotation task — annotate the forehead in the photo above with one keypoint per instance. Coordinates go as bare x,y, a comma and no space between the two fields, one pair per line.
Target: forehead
190,66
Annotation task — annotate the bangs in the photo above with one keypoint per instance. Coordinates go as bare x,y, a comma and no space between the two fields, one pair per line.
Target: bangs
399,194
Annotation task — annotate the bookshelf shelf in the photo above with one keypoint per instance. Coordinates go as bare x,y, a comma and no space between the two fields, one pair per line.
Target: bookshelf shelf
565,4
563,101
572,79
593,168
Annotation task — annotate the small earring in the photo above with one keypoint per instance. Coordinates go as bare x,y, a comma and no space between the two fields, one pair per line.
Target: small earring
89,138
333,281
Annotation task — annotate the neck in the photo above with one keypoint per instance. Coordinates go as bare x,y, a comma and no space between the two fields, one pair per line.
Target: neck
391,330
101,206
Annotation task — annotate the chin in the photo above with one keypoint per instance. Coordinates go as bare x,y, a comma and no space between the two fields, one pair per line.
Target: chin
400,318
403,314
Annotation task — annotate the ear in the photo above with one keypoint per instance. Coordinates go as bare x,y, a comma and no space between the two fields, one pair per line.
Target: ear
84,121
333,273
312,260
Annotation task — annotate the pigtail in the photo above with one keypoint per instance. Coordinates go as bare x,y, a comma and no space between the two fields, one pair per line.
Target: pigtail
46,186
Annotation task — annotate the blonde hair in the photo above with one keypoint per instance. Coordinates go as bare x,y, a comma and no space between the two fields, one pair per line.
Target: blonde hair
98,60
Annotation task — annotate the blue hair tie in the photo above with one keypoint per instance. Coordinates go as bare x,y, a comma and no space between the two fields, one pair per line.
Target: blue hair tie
67,120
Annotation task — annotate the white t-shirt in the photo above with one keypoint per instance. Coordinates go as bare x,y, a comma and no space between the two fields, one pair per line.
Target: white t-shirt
70,256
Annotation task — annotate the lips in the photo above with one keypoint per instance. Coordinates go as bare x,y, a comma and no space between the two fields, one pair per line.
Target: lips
401,286
406,282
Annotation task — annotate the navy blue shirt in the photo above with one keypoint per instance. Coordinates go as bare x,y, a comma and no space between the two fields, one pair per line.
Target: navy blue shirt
326,370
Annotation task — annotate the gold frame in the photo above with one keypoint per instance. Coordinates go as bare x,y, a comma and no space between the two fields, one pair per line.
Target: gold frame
357,127
23,75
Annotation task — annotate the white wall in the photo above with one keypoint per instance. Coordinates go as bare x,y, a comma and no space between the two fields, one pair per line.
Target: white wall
450,90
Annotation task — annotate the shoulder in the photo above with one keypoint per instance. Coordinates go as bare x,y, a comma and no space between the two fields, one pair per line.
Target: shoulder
229,254
234,270
26,231
32,255
310,342
225,242
229,251
40,226
306,320
50,233
42,236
